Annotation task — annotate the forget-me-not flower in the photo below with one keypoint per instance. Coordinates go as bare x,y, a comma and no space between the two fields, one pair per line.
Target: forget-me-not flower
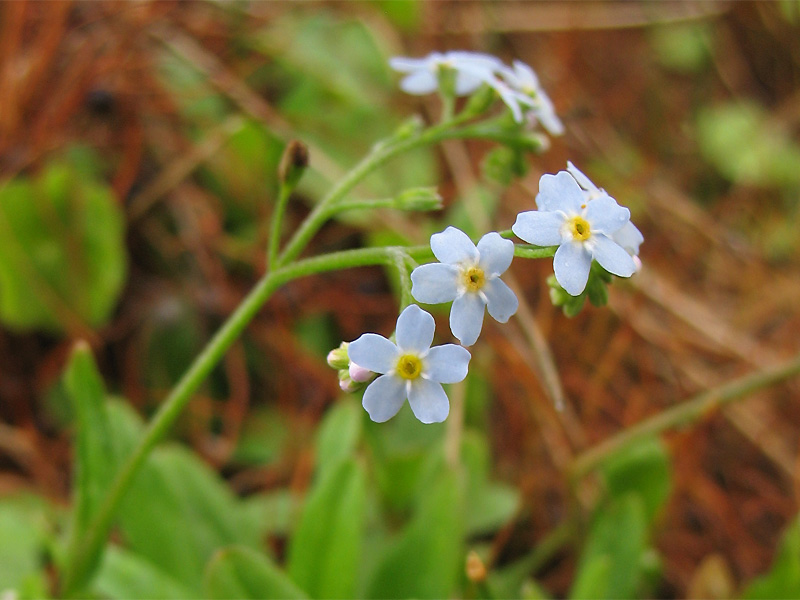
410,369
470,277
582,229
628,236
472,69
523,89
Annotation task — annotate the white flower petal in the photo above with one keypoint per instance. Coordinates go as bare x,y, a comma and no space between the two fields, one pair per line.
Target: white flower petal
466,83
435,283
502,302
612,257
428,401
414,332
511,98
496,253
419,83
373,352
453,246
539,227
606,216
629,237
446,364
581,178
407,65
559,192
571,265
466,318
384,397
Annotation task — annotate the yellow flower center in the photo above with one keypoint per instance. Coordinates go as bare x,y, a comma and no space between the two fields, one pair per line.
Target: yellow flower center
474,279
409,366
579,228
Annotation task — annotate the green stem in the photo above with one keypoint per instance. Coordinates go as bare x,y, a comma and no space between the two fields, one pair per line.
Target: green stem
277,220
686,412
380,154
80,565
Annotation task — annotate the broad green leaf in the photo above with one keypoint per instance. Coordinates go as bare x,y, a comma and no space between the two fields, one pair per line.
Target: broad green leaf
178,512
325,549
241,572
96,459
783,579
270,513
62,252
643,468
22,541
427,559
124,574
610,563
338,435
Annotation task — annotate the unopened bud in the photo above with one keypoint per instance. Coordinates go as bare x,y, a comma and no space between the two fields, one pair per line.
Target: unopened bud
358,373
422,198
338,358
293,163
475,569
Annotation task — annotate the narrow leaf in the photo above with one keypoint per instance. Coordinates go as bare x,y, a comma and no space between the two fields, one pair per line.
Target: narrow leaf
241,572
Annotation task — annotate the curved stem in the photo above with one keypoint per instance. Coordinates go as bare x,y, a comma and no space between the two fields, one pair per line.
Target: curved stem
685,412
81,564
277,220
380,154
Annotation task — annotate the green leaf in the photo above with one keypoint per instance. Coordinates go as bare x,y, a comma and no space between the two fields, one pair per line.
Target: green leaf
62,252
427,559
338,435
324,551
240,572
127,575
178,512
96,458
22,541
783,579
610,564
642,468
489,505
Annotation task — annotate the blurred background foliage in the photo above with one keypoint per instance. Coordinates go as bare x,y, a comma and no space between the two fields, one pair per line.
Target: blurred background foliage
138,152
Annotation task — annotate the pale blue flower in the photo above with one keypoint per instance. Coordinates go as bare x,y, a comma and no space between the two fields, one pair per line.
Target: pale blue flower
526,98
628,236
410,369
472,69
470,277
582,229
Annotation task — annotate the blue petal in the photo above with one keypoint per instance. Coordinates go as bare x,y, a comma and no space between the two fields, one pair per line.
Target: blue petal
446,364
453,246
581,178
539,227
501,301
571,265
466,318
384,397
605,215
629,237
612,257
428,401
559,192
414,330
373,352
496,253
434,283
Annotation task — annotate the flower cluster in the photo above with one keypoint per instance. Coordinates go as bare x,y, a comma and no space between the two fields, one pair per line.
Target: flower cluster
592,236
518,86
